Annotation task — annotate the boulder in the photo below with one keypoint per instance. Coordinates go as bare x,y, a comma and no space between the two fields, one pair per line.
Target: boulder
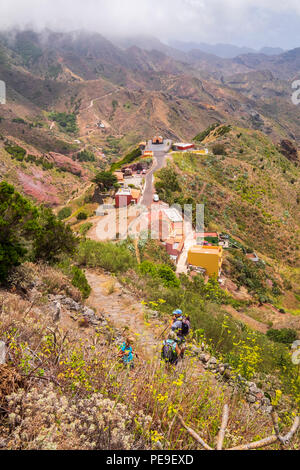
204,357
251,398
213,360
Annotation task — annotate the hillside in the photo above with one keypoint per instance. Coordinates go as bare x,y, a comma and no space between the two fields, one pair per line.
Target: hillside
77,106
135,92
250,190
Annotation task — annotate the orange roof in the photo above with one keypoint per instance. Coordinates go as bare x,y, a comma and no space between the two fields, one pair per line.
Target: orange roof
135,193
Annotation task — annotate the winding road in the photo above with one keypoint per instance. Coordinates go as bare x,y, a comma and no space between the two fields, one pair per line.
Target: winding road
160,153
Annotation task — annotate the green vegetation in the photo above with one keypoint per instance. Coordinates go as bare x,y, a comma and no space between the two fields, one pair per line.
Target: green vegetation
29,232
43,162
200,137
129,158
64,213
161,271
54,71
254,276
67,122
19,121
81,215
29,51
218,149
85,156
112,257
284,335
105,180
84,228
80,281
16,152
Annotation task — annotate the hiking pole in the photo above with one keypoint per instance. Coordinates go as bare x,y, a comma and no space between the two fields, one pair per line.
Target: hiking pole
163,332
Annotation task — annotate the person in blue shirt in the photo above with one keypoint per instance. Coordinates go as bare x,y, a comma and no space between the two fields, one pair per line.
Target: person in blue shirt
126,352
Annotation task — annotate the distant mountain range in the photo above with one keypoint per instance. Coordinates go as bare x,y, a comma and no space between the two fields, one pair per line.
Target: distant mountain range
137,86
225,51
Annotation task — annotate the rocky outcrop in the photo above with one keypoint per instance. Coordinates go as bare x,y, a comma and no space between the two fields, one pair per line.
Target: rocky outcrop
65,163
40,190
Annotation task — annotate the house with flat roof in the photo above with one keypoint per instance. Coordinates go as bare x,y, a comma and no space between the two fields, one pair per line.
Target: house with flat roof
181,146
207,257
123,197
174,247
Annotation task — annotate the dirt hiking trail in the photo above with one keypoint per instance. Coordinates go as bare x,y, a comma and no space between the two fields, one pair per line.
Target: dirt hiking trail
125,312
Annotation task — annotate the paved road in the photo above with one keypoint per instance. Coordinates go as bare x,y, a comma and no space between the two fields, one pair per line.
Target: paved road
160,152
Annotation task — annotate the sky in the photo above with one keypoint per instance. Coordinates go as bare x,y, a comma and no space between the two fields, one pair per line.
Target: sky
252,23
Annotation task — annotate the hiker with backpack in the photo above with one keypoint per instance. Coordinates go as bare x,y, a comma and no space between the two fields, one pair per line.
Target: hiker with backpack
126,353
181,327
171,352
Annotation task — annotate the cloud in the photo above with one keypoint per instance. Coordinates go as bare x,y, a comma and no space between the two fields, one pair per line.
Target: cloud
244,22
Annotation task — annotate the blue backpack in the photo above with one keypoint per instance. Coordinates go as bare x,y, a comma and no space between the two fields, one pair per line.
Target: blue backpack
168,353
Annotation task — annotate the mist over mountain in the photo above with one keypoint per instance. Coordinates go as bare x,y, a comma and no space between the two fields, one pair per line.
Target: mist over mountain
225,51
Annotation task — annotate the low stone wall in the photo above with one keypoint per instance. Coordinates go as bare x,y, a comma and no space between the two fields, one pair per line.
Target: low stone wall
224,372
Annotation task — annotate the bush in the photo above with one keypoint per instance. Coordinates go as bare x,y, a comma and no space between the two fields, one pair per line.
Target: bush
105,180
218,149
82,216
29,232
161,271
16,152
18,222
53,238
83,230
284,335
109,256
129,158
85,156
67,122
200,137
64,213
80,281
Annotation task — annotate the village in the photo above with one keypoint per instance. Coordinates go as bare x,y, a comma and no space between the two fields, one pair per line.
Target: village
140,211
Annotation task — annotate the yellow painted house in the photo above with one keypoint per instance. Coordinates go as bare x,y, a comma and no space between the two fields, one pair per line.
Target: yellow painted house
207,257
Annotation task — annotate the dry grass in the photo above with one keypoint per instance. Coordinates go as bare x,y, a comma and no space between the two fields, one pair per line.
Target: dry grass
83,370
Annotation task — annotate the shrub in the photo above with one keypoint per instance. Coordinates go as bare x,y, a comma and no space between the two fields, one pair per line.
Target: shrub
64,213
105,180
83,230
85,156
66,122
284,335
80,281
82,216
218,149
53,238
16,152
112,257
129,158
18,222
161,271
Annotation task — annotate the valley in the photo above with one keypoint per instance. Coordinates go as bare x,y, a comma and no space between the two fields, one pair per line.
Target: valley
103,143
